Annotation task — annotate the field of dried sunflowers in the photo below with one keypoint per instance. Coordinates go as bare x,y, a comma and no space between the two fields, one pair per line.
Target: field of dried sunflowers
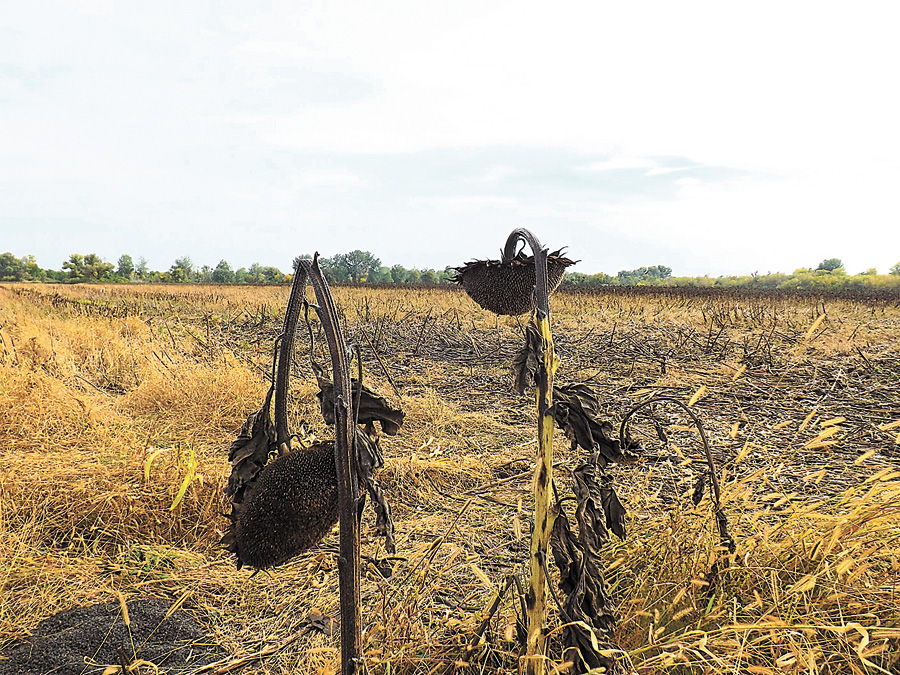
118,404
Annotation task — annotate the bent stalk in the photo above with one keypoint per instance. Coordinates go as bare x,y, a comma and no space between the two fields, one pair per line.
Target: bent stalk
543,471
348,489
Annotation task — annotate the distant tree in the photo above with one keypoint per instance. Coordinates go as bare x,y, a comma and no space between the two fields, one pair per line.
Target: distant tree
96,269
31,270
414,276
895,269
264,274
429,277
142,270
223,274
643,274
358,264
11,268
830,265
75,266
399,274
333,268
205,274
183,269
241,276
380,276
125,266
871,272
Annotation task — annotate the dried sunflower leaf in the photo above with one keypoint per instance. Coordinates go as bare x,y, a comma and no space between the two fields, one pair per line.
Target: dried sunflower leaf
576,410
372,406
250,450
587,612
369,458
612,507
528,360
699,487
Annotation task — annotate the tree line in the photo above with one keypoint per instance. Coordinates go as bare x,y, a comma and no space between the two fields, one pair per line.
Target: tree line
828,274
363,267
352,267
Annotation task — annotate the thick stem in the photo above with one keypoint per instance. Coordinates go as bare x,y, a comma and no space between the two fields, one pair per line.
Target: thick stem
543,471
286,350
543,516
345,430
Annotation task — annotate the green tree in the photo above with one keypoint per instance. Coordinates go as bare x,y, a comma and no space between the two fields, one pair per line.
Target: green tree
334,269
96,269
142,270
125,266
223,274
399,274
643,275
830,265
75,266
895,269
11,268
380,276
358,264
183,269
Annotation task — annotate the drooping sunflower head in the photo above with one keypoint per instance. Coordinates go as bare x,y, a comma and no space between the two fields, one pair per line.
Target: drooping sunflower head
508,287
291,505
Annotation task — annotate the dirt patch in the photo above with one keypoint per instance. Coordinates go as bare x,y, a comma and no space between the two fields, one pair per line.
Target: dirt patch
86,640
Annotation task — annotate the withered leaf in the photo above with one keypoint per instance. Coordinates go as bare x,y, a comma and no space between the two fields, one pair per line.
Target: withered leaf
699,487
249,452
528,360
321,622
372,406
369,458
576,410
588,613
612,507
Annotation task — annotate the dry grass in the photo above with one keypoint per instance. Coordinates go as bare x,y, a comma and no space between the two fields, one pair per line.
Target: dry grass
96,380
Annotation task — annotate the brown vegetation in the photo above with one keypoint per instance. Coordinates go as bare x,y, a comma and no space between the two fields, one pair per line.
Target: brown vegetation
117,402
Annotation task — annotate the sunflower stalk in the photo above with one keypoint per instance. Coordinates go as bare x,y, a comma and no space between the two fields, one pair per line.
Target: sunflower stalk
535,597
345,432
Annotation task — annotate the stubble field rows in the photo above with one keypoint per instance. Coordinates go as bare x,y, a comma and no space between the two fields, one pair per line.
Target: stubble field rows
115,398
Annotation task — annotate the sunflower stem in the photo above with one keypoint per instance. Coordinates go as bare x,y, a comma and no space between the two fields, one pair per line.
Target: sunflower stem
535,598
286,349
345,431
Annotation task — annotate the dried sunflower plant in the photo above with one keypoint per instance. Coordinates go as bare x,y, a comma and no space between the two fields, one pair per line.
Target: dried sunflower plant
285,499
518,284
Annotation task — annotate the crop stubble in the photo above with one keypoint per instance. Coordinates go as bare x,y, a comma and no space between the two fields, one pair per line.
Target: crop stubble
95,380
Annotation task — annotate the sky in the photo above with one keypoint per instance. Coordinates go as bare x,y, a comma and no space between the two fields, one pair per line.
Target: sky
714,138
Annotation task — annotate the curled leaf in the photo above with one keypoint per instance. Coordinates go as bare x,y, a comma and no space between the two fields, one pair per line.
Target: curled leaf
369,458
576,410
250,450
588,613
699,487
528,360
372,406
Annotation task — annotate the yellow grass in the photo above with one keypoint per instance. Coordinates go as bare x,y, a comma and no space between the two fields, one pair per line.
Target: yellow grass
97,380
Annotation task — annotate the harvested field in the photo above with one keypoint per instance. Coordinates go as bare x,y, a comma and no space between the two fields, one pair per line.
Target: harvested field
115,400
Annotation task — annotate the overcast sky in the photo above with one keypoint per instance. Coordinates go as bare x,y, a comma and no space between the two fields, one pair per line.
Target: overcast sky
715,138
